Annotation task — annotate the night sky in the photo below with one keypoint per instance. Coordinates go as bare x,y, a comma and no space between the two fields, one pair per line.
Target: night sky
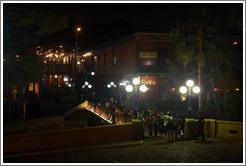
103,22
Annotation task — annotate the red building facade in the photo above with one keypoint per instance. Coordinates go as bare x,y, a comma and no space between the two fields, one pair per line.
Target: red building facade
141,54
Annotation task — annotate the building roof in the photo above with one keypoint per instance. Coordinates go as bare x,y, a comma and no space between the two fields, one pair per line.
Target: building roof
135,36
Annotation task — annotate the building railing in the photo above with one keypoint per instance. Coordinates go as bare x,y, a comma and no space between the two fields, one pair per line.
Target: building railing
105,113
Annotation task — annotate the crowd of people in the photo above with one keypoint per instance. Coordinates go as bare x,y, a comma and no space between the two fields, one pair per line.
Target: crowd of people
166,125
158,123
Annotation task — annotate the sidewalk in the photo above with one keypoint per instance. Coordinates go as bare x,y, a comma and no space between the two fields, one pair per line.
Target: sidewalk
151,150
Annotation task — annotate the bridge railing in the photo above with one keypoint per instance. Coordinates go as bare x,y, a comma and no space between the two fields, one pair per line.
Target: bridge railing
104,113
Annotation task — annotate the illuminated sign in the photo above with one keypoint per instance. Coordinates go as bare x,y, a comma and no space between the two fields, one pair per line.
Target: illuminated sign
148,82
148,55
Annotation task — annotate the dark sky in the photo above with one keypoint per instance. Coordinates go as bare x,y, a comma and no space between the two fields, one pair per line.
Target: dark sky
103,22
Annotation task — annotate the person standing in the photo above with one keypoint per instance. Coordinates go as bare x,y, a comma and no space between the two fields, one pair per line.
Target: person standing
150,123
156,125
200,127
165,125
161,124
141,118
170,127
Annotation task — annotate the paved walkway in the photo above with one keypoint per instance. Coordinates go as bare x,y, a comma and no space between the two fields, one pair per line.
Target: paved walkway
153,150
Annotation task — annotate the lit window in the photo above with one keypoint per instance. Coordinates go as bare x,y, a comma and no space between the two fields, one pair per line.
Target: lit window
98,61
104,59
114,57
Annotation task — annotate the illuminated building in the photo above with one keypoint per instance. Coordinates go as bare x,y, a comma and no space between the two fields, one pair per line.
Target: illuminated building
141,54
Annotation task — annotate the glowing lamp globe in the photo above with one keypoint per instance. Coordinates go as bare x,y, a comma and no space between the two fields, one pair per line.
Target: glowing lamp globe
190,83
183,89
129,88
136,81
143,88
196,89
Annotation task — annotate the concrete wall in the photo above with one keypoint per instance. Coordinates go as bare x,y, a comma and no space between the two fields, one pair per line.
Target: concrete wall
34,125
34,142
46,124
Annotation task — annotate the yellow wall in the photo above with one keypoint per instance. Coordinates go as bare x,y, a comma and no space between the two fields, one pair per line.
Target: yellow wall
215,128
227,129
210,127
22,143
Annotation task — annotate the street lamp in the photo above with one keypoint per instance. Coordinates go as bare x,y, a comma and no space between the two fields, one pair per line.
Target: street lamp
142,88
78,29
184,90
85,86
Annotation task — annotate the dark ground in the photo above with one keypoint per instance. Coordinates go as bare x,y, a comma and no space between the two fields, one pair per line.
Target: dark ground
153,150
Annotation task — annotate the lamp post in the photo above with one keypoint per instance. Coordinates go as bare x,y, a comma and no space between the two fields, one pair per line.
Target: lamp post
113,86
86,86
191,88
78,29
137,87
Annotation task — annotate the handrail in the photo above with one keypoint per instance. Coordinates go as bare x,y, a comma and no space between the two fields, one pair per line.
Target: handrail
104,113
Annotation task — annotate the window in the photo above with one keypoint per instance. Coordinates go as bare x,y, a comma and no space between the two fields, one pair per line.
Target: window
92,61
104,59
98,61
114,56
162,57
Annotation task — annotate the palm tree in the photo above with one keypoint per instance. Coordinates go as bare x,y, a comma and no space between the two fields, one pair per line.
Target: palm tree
201,40
191,35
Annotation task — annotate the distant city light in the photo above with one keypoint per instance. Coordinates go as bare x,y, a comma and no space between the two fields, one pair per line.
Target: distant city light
183,98
111,83
55,76
109,86
83,86
69,85
87,54
78,62
17,56
92,73
89,86
78,29
237,89
86,83
65,79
